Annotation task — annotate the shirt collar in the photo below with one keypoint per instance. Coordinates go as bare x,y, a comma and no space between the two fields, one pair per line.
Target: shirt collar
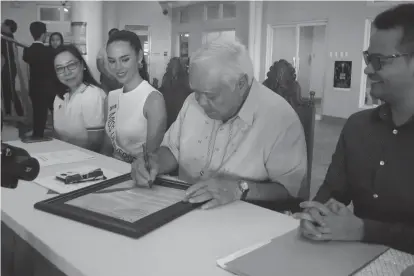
383,113
248,110
36,41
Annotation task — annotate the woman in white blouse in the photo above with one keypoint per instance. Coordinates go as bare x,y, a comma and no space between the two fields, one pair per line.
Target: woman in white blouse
135,113
78,115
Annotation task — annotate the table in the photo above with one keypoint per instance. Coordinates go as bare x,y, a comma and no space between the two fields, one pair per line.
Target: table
189,245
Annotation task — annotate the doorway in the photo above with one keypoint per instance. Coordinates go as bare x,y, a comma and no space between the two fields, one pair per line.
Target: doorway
304,46
145,39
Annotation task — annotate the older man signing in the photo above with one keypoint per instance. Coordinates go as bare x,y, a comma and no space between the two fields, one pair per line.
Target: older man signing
234,139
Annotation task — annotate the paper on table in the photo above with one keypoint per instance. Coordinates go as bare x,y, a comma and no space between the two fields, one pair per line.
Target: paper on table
53,184
131,204
224,261
391,263
61,157
283,254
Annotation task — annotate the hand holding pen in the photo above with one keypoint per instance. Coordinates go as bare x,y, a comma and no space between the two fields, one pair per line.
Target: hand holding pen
145,168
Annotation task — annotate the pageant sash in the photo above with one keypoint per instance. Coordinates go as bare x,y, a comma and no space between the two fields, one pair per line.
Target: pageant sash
112,118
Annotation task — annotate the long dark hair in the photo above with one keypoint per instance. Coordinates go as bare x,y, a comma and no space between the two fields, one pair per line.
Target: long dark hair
59,35
135,43
181,74
88,79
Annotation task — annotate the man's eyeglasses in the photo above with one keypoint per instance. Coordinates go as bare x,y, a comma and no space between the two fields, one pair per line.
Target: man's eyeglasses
71,67
377,60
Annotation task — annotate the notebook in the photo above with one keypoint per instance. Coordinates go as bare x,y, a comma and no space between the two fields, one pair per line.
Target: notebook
293,255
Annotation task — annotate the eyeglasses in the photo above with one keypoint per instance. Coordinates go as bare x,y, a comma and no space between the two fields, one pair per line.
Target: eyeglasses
71,67
377,60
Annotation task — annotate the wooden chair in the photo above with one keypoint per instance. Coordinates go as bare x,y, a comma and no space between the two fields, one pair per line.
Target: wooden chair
306,113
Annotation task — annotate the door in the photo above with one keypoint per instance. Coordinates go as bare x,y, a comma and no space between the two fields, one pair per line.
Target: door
304,46
312,60
284,44
145,39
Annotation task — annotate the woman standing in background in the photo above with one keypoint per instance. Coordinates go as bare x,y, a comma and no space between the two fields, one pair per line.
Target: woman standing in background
55,40
136,115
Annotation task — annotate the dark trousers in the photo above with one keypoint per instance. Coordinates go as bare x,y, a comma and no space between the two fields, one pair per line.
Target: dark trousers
8,81
41,104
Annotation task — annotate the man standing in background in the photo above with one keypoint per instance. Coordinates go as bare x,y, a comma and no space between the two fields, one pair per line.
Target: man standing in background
42,76
108,81
9,71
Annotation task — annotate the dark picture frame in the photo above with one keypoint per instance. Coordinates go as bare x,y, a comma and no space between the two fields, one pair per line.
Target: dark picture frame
137,229
342,74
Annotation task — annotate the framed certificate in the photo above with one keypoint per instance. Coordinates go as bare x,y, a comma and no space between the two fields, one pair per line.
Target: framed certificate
119,206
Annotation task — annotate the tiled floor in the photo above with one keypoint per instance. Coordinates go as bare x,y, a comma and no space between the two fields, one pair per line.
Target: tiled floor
326,137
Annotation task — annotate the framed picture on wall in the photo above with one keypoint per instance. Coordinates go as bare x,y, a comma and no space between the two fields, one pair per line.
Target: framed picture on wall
342,74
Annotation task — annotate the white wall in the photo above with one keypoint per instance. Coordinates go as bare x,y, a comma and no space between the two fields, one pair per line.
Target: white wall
318,61
284,45
305,51
344,33
149,14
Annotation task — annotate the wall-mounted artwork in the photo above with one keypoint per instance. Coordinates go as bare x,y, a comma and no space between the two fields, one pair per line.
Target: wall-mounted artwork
342,74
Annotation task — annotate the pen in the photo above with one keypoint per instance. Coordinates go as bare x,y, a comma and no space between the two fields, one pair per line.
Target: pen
147,163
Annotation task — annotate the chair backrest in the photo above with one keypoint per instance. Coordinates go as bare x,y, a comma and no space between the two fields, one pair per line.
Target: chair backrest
306,112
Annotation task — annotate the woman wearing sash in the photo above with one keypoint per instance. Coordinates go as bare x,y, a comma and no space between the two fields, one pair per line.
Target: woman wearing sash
78,112
135,114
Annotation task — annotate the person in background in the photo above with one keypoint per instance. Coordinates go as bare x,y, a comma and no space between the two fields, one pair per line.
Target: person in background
78,113
135,114
234,138
42,77
372,166
108,80
175,88
9,71
55,40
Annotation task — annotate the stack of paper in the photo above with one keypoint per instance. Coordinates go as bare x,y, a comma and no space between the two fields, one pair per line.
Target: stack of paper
292,255
61,157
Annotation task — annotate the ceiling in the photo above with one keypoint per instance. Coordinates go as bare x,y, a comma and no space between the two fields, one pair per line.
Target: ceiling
177,4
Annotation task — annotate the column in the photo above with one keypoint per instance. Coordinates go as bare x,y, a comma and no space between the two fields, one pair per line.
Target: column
110,18
255,34
90,12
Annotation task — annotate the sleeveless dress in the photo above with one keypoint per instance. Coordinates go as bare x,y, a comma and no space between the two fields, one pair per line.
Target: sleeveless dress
126,125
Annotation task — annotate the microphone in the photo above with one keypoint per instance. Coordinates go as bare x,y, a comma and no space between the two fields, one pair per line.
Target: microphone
17,164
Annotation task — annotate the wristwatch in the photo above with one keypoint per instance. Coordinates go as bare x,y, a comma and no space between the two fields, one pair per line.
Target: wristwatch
244,189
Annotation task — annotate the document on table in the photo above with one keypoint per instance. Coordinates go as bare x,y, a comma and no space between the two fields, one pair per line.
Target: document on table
282,255
129,202
61,157
51,183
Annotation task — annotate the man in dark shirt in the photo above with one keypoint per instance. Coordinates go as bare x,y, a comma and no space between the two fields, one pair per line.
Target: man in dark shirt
373,164
42,76
9,71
